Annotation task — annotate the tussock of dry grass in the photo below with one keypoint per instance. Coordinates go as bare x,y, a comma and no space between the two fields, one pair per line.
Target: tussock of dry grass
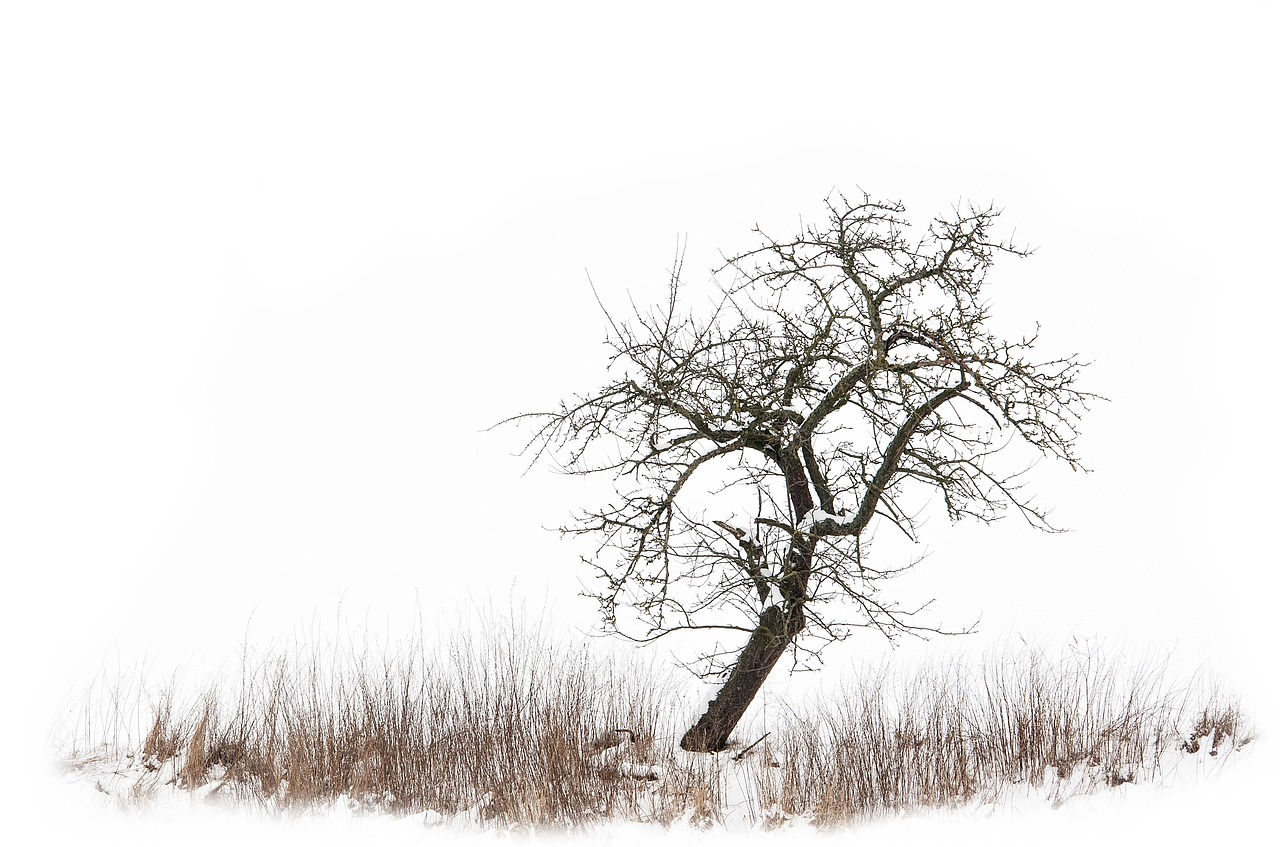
514,727
947,735
519,728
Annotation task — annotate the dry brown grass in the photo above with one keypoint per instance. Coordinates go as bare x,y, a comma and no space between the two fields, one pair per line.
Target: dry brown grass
518,727
498,727
949,734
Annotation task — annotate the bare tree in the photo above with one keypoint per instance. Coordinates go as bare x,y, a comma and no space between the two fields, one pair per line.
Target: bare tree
836,377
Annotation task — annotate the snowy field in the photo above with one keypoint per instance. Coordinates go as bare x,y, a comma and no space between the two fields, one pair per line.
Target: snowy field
269,272
295,741
1197,797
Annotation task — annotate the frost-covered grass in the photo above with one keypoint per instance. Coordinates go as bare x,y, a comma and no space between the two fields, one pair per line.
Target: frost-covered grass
521,728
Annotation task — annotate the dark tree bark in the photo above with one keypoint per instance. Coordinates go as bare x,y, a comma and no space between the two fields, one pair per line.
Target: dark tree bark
767,644
776,630
844,371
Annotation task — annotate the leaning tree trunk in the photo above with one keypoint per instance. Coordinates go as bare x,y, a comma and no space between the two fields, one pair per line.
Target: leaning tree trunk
766,646
778,627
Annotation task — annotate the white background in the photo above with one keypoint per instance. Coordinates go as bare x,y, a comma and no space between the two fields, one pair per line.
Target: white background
270,271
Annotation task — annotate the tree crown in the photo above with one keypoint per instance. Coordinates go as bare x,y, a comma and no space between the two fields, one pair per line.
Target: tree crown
836,376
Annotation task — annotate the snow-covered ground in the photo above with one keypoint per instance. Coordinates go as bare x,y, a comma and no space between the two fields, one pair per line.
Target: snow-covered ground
1193,796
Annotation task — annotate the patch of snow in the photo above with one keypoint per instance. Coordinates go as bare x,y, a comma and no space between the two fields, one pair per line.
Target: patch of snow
816,516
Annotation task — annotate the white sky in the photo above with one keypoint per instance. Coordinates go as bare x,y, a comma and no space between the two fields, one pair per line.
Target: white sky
268,271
